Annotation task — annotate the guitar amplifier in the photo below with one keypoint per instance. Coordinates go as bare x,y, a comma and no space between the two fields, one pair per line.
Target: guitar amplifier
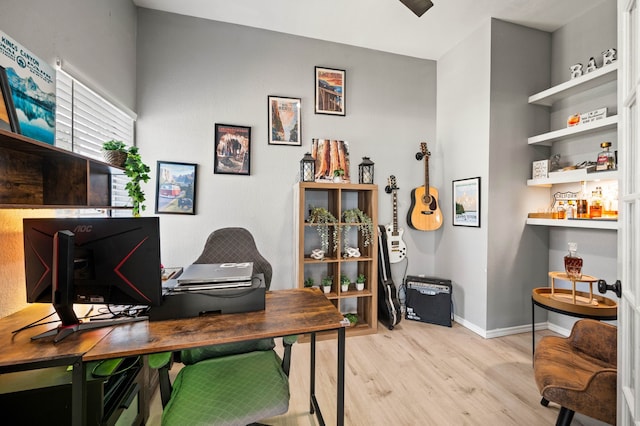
428,300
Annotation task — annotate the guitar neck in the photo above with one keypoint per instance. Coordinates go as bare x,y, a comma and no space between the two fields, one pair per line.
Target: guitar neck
426,174
395,213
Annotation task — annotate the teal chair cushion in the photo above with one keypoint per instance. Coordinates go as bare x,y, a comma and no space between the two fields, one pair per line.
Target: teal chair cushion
234,390
193,356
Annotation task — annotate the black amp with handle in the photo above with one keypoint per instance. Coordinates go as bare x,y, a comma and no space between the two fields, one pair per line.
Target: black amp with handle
429,300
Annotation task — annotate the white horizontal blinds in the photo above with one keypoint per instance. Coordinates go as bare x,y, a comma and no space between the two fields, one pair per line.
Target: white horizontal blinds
85,120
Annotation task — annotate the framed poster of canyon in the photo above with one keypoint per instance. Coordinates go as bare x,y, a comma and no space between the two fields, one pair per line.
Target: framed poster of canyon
284,121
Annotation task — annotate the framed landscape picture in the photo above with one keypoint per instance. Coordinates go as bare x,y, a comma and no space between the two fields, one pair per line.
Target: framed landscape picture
330,91
284,121
232,150
176,188
466,202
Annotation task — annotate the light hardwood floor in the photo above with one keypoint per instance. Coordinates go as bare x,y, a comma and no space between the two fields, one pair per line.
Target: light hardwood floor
420,374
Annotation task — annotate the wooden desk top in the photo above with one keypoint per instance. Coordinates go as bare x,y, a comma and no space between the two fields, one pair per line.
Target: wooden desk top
19,350
287,312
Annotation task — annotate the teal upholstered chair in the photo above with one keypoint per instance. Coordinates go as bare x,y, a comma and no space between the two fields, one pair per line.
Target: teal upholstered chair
231,384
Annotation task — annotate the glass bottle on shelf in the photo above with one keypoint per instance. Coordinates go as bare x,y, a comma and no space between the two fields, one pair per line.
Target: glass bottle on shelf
595,207
606,159
582,204
573,263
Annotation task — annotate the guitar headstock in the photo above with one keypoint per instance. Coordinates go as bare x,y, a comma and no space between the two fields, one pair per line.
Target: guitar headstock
391,184
424,150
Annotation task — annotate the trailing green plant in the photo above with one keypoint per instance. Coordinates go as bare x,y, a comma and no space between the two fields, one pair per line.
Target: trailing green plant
309,282
324,218
363,223
137,172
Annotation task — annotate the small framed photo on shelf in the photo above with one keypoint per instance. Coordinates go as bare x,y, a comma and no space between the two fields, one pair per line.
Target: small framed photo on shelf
176,188
284,121
330,91
466,202
540,169
232,150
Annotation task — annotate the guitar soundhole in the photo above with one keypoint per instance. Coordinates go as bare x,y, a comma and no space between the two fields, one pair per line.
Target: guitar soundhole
430,201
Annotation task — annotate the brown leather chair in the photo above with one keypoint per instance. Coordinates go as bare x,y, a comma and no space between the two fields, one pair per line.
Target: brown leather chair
579,372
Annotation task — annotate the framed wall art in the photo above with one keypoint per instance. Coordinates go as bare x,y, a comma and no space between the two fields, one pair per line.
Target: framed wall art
176,188
330,91
232,151
284,121
332,160
466,202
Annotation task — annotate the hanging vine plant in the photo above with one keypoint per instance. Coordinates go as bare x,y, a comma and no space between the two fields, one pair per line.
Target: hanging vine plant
325,219
363,223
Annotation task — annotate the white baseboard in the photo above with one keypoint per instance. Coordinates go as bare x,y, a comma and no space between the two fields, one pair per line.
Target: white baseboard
500,332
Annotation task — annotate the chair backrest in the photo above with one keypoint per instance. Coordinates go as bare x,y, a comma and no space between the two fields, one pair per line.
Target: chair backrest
235,245
597,339
231,245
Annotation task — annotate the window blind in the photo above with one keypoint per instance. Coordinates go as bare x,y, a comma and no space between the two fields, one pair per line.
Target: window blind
84,121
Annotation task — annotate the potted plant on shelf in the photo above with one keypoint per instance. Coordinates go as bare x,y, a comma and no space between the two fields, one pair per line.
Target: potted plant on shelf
323,218
365,226
115,152
360,282
353,319
344,283
309,282
337,175
326,284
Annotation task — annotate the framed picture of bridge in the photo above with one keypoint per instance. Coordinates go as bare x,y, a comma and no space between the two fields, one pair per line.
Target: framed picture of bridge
232,150
330,91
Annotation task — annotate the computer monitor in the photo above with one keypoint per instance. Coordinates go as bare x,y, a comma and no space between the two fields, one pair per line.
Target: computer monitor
103,261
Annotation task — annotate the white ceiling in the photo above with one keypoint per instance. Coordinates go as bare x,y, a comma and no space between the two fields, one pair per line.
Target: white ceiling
385,25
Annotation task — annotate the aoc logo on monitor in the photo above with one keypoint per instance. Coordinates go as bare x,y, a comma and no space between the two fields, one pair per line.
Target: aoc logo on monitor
83,228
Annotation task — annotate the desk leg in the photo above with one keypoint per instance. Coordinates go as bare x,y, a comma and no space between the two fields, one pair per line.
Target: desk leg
78,394
340,384
533,328
312,379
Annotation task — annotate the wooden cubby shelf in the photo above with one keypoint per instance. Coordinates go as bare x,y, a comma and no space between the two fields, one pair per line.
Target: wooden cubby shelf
338,197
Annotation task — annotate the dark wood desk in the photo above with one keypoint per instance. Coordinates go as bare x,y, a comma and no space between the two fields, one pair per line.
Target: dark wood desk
287,312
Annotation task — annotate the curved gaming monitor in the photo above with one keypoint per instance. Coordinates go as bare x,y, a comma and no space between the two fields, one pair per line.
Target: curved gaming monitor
103,261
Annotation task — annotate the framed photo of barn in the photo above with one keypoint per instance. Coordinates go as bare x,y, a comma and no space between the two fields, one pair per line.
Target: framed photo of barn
232,150
176,188
284,121
330,91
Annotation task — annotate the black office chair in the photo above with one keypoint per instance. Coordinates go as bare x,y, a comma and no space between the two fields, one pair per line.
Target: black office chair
232,384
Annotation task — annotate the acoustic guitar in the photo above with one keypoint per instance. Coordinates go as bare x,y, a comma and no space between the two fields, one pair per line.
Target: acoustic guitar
397,247
424,213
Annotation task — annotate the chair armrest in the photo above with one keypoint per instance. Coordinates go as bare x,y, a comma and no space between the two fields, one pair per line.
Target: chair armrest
287,342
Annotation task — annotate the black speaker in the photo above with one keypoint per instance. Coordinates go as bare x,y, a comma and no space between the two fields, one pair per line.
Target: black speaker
428,300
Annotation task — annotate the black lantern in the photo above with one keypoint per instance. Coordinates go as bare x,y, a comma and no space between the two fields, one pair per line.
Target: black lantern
307,168
365,171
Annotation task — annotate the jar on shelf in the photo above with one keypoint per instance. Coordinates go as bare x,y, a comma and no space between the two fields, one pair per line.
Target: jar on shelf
582,203
573,263
595,207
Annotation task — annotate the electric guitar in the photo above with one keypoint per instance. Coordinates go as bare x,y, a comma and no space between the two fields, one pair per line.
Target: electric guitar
389,310
424,214
395,243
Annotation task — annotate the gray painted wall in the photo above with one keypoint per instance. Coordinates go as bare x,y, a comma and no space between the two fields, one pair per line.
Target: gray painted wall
463,147
193,73
517,253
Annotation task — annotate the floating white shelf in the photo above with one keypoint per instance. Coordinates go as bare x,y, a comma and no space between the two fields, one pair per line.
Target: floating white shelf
573,176
575,223
577,85
579,130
